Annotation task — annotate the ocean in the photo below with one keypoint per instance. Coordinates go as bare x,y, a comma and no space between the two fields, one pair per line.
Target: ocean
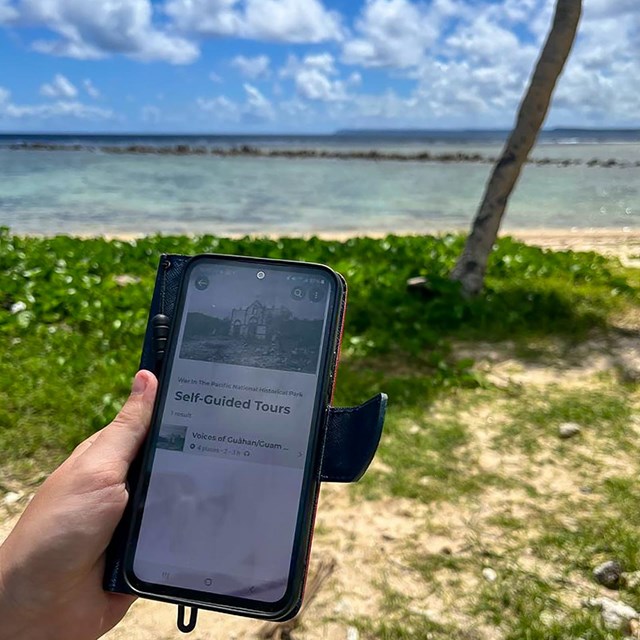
420,182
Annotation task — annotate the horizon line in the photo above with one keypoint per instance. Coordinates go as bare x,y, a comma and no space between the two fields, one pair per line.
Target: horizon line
326,134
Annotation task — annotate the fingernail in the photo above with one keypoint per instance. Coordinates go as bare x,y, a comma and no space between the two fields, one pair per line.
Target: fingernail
139,383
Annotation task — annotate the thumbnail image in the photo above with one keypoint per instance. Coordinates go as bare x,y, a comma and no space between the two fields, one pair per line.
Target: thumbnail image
258,335
171,437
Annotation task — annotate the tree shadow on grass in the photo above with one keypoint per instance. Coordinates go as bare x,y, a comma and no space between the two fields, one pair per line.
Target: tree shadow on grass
407,352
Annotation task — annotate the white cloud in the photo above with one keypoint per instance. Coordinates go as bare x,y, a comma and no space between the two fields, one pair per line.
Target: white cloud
601,78
484,43
375,109
252,68
595,9
312,84
59,87
477,69
93,30
206,17
323,62
220,105
59,109
91,89
296,107
392,33
214,77
294,21
7,12
403,34
483,64
314,77
513,11
354,79
256,109
484,71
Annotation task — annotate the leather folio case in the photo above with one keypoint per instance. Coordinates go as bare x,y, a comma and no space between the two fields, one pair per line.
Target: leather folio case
351,433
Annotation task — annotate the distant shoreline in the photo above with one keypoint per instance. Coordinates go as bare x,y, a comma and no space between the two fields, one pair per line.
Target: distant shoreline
371,155
552,134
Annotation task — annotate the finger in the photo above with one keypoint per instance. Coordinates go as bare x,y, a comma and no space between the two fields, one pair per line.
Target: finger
84,445
119,441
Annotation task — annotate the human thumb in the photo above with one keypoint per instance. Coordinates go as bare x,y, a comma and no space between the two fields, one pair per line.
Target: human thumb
118,442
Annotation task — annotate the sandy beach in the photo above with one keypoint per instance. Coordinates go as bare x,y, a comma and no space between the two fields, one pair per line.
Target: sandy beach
623,244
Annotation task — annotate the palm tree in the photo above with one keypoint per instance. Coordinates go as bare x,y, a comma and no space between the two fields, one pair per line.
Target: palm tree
471,266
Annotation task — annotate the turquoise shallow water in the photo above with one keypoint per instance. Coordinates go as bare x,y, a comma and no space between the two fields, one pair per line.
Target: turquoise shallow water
87,192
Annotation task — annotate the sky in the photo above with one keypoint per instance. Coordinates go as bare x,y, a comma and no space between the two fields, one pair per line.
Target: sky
304,66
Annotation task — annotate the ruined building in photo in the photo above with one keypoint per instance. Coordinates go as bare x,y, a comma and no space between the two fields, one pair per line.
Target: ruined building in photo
258,321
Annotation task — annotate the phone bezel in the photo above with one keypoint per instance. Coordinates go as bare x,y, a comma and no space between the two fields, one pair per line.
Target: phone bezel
284,607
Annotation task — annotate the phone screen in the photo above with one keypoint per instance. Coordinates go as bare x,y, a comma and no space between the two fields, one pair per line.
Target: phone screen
225,483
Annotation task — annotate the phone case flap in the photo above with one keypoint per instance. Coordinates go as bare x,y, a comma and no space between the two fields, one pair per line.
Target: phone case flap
351,440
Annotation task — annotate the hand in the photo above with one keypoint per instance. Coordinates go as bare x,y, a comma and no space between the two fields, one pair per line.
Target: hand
51,564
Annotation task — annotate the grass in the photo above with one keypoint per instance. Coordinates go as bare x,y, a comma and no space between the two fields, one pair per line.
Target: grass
426,460
602,410
607,531
428,564
545,552
411,627
527,607
399,620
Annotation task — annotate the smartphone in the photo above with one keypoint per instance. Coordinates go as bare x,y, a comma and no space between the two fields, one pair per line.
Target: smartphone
224,510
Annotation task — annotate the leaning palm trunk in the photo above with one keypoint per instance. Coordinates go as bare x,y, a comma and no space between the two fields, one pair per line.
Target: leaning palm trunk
472,264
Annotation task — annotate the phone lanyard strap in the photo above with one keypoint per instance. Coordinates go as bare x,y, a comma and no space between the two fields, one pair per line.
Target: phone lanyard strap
187,627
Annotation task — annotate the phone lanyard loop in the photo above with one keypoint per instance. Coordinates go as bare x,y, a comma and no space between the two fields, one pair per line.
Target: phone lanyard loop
187,627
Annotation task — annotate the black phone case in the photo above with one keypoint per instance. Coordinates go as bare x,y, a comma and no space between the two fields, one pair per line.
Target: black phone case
351,434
